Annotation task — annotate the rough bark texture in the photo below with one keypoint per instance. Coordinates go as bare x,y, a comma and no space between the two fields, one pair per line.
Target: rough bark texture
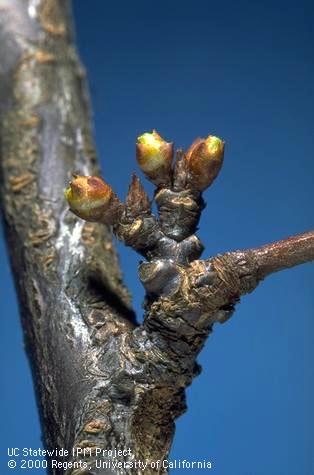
102,381
66,271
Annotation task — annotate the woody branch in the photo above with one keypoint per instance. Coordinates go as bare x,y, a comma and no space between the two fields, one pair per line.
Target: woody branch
185,296
101,379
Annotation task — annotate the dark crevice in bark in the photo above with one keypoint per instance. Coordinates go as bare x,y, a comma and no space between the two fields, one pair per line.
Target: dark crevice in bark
102,292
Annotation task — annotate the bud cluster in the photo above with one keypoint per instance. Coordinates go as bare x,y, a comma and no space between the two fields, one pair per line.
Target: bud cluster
178,197
201,165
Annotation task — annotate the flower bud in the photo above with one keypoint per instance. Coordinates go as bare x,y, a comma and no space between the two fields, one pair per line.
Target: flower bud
204,160
92,199
154,156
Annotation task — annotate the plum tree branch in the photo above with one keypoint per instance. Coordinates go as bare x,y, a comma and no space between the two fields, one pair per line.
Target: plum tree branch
103,381
283,254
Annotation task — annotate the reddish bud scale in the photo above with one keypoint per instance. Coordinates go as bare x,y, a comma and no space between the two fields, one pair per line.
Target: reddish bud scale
154,156
137,201
91,199
203,161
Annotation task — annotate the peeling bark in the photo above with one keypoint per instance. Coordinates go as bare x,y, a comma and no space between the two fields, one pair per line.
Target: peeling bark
102,381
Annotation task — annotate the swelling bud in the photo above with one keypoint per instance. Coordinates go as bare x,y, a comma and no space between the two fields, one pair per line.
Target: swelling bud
91,199
203,161
154,156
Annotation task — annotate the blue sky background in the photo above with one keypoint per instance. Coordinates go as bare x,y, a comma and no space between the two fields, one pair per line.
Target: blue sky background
244,71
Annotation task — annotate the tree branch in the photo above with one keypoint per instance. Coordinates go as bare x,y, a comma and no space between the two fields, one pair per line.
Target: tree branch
207,291
283,254
66,272
102,381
